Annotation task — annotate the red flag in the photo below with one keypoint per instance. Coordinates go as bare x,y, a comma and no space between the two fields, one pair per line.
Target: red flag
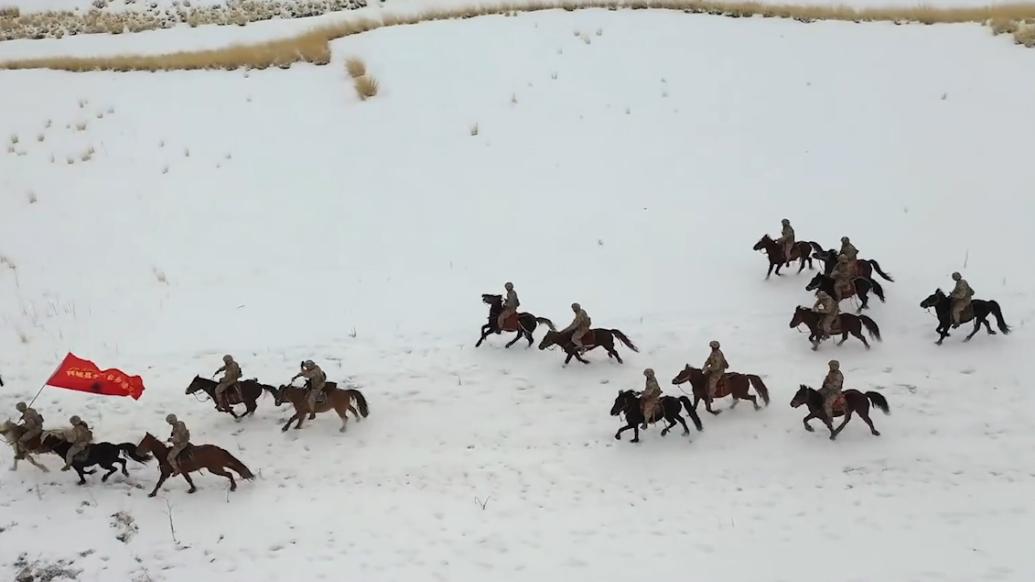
84,376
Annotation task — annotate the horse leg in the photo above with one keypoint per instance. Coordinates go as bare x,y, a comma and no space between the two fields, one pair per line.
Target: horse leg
33,462
250,406
81,472
611,352
770,272
708,406
161,479
844,336
110,467
671,423
618,435
122,462
186,475
806,420
516,338
343,414
290,420
485,334
301,417
222,472
636,433
865,415
848,416
988,326
977,328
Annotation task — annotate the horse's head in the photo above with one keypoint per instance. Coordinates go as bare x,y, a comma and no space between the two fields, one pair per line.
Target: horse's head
684,375
147,444
815,282
490,299
933,299
621,402
280,394
198,383
7,428
763,243
799,316
551,338
801,396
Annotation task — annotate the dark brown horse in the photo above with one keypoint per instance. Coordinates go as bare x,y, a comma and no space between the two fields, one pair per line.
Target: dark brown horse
594,338
337,399
630,404
847,324
522,323
246,392
851,401
801,251
979,311
860,288
732,383
864,268
12,432
214,459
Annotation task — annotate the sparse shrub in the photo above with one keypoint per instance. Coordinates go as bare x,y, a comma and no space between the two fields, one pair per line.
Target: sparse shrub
1025,36
1003,26
41,137
14,139
81,126
32,197
366,87
474,129
355,67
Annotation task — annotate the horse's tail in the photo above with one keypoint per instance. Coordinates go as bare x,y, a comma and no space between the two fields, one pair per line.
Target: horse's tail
625,340
361,400
760,387
689,406
998,313
130,450
546,322
878,400
877,289
876,267
871,326
238,466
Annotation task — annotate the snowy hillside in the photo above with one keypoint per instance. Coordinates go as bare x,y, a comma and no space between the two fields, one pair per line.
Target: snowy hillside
625,160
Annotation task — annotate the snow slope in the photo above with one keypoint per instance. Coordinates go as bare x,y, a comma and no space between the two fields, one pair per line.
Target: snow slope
624,160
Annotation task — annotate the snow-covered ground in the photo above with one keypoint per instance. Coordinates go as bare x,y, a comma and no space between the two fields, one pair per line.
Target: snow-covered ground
626,160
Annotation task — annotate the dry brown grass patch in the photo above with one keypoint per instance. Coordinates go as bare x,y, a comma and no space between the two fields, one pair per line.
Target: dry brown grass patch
366,87
1025,35
356,67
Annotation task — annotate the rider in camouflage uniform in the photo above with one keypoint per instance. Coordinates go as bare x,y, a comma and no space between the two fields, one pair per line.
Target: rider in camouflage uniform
232,373
650,397
786,239
842,275
510,305
316,379
961,297
829,309
832,385
180,439
81,438
578,326
32,422
714,367
848,249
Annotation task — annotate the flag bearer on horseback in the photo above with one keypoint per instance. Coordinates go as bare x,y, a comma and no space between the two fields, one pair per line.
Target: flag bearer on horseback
650,397
510,306
180,440
231,374
32,422
832,386
316,379
713,368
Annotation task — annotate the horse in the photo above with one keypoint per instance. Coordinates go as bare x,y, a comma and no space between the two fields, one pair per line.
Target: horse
851,400
246,392
338,399
523,323
863,267
733,383
860,287
197,457
593,338
628,402
104,454
850,324
12,432
979,311
775,252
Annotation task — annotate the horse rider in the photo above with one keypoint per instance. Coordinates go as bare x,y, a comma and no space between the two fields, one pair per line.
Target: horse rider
831,389
578,326
786,239
848,249
81,438
650,397
829,309
180,440
32,423
231,374
713,368
316,379
961,296
510,305
842,275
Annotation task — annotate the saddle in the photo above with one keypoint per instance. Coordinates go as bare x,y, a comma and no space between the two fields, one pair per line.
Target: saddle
839,405
845,290
835,327
968,312
588,338
186,453
510,323
722,387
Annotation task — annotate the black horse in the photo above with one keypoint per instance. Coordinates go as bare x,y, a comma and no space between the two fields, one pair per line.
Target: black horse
863,267
526,322
103,454
854,401
860,286
979,312
629,404
597,337
247,392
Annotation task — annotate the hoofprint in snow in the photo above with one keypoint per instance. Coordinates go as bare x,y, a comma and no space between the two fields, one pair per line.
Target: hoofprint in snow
274,216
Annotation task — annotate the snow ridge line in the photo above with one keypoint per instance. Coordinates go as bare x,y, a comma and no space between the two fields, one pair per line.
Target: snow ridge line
314,46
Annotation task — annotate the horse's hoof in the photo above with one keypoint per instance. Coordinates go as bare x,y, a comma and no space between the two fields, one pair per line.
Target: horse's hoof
757,407
618,437
81,483
686,432
191,490
810,429
664,433
833,437
990,332
635,441
152,494
876,433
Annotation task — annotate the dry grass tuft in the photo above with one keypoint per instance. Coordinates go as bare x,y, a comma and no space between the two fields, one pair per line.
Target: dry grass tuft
366,87
9,12
1025,36
356,67
313,46
474,129
1003,26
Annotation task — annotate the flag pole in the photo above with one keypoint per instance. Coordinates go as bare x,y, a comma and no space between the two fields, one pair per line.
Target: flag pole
58,367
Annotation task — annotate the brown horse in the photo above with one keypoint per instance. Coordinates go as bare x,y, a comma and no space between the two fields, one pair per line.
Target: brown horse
338,399
732,383
197,457
11,433
801,251
850,401
246,392
864,268
846,324
594,338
